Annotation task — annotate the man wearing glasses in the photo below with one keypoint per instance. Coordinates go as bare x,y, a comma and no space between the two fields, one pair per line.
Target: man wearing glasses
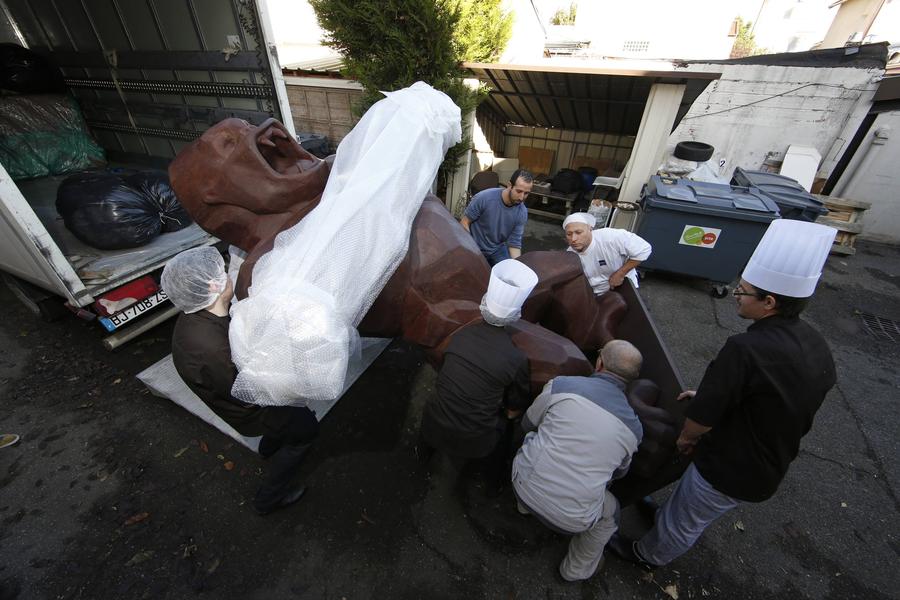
757,398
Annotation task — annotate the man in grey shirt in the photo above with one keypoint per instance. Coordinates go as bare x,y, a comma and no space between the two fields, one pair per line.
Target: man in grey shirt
581,435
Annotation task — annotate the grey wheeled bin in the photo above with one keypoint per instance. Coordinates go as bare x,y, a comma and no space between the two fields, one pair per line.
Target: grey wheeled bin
793,201
705,230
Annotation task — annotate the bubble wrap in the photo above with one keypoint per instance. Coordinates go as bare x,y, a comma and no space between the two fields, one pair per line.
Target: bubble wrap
293,336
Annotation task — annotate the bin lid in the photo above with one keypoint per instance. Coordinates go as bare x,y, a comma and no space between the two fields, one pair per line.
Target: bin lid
713,198
786,192
743,177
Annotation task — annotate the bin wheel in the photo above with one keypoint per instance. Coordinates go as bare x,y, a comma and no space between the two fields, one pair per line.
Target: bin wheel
718,291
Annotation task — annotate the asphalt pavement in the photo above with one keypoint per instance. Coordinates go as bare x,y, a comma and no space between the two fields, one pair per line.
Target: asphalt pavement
113,493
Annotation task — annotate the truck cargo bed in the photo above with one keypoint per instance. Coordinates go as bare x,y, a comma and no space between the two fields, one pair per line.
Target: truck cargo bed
101,270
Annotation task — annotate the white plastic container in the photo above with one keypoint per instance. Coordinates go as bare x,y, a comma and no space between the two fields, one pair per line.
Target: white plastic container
801,164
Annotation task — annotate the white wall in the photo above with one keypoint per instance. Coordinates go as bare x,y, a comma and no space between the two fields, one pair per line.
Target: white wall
689,29
790,108
526,44
872,176
791,25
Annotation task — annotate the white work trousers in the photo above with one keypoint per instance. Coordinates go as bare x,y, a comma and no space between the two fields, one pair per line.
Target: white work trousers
690,509
586,548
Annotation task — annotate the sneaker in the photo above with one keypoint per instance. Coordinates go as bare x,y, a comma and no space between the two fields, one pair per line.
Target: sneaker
8,439
626,549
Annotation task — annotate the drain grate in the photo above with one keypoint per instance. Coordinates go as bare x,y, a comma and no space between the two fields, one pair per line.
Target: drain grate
881,328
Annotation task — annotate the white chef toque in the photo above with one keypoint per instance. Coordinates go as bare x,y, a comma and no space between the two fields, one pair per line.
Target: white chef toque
511,283
789,258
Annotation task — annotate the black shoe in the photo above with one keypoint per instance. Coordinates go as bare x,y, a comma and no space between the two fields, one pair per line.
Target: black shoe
626,549
289,497
269,446
647,508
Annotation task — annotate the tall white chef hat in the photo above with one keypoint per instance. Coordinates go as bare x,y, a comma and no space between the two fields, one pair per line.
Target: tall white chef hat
789,258
580,217
511,283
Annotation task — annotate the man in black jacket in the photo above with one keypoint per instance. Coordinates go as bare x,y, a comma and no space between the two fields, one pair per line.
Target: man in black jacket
484,380
196,283
757,398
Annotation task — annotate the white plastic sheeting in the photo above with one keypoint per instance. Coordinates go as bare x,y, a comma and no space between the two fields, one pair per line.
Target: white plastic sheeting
293,336
163,380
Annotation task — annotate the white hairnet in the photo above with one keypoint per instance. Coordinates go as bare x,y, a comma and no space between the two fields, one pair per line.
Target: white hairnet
194,279
580,217
492,319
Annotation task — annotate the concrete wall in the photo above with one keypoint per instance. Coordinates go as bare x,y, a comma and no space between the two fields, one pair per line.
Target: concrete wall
872,176
754,112
322,107
689,29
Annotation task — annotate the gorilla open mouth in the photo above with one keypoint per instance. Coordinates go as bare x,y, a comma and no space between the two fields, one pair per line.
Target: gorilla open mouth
280,150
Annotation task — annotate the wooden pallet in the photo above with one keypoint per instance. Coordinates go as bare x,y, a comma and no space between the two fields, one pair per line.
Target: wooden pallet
844,215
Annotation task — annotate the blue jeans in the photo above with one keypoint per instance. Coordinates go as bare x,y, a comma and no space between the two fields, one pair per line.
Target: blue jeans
682,518
501,253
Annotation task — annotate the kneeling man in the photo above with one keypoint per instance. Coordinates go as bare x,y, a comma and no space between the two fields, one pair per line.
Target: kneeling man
581,435
484,381
607,255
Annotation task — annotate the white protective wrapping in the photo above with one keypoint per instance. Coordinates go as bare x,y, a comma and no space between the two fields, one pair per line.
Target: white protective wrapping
293,336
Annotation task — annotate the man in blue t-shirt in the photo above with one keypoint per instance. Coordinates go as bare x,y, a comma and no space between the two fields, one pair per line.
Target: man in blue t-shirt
496,218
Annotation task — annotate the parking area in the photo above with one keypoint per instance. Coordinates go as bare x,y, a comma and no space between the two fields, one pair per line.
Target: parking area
114,493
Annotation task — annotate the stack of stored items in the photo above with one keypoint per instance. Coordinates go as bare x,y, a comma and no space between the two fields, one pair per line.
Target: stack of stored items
845,215
44,135
41,129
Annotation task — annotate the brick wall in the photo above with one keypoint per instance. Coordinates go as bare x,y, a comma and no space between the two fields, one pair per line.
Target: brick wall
322,111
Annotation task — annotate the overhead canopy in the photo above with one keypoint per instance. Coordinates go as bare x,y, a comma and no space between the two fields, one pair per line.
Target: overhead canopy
600,100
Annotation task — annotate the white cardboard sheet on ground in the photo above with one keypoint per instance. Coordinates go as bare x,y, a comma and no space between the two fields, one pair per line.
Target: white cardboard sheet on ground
162,379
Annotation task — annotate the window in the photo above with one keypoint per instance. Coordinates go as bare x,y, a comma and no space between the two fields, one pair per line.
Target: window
735,27
635,46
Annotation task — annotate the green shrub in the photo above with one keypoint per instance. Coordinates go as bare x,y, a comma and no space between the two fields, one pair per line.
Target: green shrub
391,44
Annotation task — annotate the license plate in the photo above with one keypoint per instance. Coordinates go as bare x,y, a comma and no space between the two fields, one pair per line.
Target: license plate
132,312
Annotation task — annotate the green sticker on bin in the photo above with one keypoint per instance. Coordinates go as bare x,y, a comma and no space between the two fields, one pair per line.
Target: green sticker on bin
693,235
700,237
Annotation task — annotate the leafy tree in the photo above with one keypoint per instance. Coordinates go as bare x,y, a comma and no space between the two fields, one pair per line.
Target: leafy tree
745,42
483,30
565,17
391,44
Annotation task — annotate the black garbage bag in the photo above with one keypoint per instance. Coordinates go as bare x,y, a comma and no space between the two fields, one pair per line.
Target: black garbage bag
110,212
24,72
155,185
567,181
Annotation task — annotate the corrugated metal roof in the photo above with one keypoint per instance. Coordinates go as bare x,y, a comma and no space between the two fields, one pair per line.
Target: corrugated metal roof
327,64
599,99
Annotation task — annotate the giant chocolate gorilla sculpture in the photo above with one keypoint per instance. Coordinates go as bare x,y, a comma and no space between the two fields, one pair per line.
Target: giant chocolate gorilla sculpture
245,184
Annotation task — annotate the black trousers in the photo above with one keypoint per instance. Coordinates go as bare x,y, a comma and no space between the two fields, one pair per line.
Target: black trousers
290,432
286,426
